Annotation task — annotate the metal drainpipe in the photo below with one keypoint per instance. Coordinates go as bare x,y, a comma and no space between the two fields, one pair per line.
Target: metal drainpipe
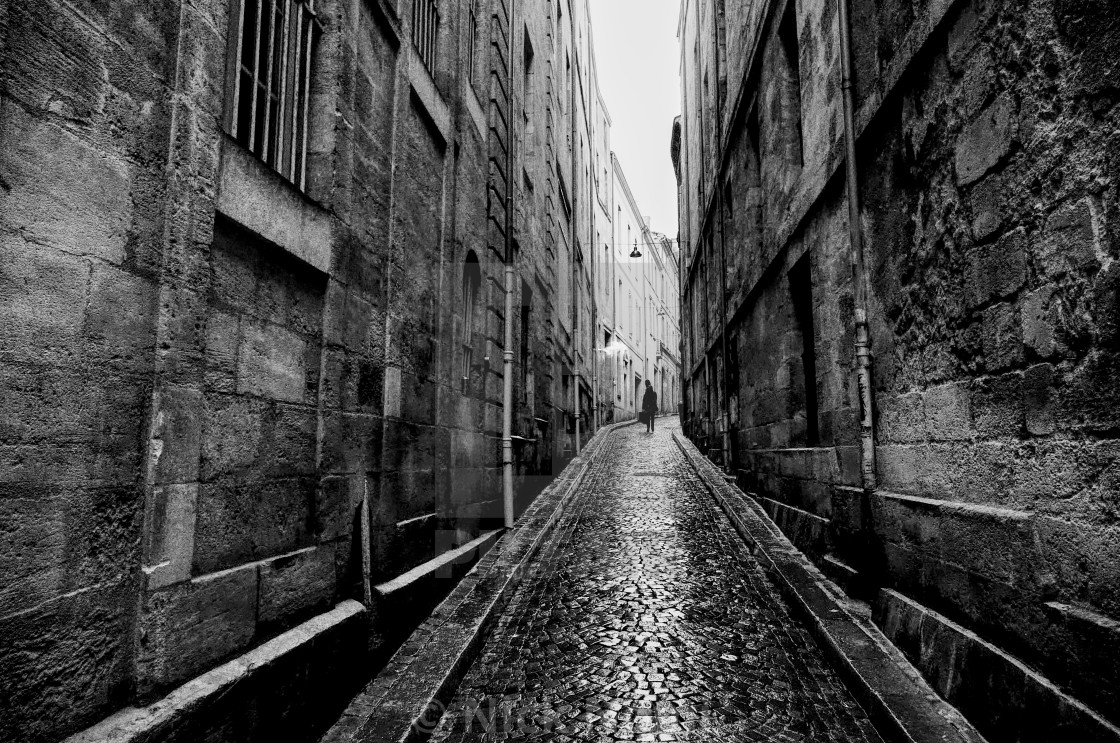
574,229
728,461
594,247
859,268
507,352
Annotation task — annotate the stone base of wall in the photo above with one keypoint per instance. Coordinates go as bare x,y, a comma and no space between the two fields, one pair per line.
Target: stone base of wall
406,601
1021,630
290,688
1005,699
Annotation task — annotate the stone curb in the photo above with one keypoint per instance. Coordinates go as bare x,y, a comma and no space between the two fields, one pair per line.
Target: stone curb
901,705
195,699
405,702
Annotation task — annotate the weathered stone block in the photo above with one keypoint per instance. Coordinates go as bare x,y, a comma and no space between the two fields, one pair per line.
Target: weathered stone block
999,270
337,501
1002,337
396,548
986,141
849,458
404,495
42,294
191,627
272,362
290,440
121,310
467,486
987,209
1038,322
240,522
1038,402
181,323
418,399
995,542
1084,561
1106,304
66,663
232,435
997,405
1068,243
809,533
901,418
169,534
60,190
223,336
1089,394
795,463
393,392
62,538
32,559
351,443
293,585
947,412
337,383
900,467
175,446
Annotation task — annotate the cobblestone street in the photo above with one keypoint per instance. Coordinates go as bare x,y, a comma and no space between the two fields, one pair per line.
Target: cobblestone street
646,619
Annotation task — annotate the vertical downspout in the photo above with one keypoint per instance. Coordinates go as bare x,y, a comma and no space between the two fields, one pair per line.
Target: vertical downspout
507,352
575,226
593,193
859,268
728,463
593,245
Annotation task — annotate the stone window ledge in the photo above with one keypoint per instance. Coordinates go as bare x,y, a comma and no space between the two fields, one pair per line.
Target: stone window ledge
259,199
426,95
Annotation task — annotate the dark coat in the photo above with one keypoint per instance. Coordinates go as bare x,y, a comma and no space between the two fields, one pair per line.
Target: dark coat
649,401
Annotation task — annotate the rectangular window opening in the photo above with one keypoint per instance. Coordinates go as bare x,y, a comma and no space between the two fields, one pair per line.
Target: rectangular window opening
791,85
272,43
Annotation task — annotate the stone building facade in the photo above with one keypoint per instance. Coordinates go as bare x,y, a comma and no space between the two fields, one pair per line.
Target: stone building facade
981,519
639,320
252,317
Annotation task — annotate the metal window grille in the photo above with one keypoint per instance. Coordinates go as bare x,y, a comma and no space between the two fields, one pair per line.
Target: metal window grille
472,34
471,280
425,27
269,79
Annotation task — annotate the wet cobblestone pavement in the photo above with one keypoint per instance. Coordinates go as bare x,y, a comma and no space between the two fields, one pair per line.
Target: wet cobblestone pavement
645,618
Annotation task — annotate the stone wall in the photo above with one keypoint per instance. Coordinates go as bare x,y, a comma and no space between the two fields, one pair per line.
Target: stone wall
85,116
231,403
989,186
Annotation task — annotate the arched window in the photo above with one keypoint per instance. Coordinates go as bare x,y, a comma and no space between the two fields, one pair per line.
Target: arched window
472,280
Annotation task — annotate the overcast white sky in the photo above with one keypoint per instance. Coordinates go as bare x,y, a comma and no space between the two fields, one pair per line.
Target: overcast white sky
636,50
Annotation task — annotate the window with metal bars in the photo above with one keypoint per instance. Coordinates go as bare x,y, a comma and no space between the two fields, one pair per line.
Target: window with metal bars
472,280
268,82
472,41
425,31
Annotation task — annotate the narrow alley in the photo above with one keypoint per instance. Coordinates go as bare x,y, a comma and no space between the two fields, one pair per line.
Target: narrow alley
328,330
646,618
